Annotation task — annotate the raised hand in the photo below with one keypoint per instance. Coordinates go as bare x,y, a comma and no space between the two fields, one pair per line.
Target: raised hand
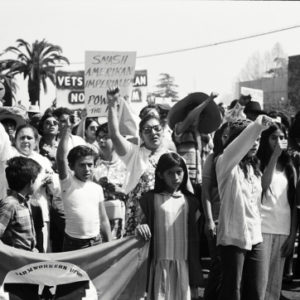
265,121
278,150
113,95
213,95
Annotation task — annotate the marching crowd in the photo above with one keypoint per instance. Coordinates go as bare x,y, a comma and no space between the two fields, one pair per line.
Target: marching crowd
196,176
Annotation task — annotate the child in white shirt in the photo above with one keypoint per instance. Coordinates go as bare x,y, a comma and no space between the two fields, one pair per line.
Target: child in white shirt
83,199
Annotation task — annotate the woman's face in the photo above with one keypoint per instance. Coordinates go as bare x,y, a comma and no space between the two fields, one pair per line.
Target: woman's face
104,141
25,141
253,150
50,126
151,134
277,137
90,132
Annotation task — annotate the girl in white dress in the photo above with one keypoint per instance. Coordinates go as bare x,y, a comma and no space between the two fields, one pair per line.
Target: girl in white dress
170,223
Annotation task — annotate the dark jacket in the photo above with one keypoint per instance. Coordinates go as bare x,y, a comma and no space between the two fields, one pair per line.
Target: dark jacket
195,269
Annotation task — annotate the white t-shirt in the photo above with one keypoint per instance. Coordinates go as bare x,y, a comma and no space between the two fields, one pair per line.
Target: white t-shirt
137,161
81,204
275,208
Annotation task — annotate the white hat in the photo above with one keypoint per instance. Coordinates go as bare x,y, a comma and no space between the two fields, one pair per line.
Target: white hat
15,113
34,109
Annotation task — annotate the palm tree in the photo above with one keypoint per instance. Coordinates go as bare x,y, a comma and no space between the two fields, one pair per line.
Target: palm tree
37,62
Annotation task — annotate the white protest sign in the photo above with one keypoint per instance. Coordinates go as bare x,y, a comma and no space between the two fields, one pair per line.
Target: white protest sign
105,70
256,94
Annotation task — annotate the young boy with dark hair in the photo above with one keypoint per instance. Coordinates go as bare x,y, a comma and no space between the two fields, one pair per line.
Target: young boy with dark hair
64,115
83,199
16,221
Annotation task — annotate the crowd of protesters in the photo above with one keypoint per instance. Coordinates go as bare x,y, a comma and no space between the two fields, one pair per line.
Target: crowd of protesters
196,176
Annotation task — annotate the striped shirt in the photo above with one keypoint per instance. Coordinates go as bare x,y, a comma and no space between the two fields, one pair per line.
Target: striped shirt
16,222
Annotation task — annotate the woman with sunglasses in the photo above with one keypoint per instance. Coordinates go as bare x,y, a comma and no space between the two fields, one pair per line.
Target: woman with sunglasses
140,160
86,129
48,129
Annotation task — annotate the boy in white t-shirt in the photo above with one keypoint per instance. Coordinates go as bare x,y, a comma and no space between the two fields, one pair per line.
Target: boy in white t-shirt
83,199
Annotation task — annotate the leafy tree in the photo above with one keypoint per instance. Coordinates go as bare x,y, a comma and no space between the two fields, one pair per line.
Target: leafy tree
272,64
36,62
166,88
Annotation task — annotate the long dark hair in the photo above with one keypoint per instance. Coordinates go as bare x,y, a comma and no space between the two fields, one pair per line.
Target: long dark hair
166,162
48,114
235,128
217,139
265,152
88,122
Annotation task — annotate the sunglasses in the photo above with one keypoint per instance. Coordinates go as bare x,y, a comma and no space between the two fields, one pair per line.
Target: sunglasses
148,129
93,128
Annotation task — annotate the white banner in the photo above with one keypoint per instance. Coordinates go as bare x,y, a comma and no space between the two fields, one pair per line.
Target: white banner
256,94
104,70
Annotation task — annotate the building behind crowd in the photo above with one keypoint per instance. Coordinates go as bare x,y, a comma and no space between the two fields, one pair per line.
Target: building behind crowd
279,93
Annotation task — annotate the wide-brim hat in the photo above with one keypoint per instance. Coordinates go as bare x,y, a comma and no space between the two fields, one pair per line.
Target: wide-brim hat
14,113
210,118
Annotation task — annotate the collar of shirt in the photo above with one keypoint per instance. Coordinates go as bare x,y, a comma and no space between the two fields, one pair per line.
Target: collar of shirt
20,197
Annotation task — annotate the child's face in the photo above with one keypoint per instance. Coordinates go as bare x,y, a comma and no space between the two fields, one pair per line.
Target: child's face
173,178
83,168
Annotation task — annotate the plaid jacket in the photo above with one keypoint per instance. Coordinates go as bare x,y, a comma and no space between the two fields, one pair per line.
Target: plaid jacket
16,222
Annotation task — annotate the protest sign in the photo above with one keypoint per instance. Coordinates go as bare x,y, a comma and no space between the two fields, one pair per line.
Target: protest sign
140,83
256,94
105,70
70,89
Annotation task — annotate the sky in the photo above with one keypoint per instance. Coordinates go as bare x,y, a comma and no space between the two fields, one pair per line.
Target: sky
150,27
